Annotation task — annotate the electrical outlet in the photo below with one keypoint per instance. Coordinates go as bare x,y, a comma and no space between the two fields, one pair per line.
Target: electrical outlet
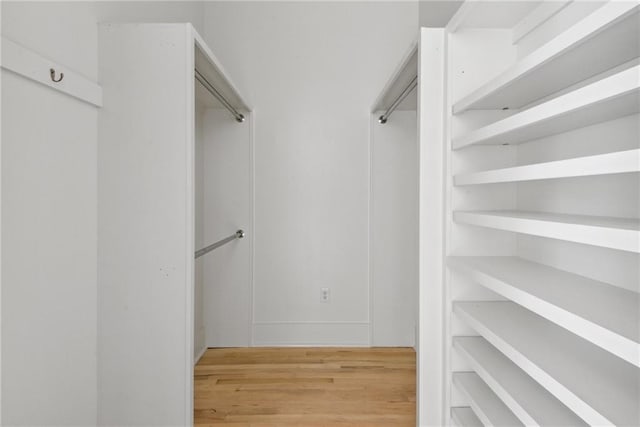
325,294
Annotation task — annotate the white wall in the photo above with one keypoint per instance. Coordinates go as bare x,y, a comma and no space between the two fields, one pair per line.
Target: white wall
394,229
311,70
49,195
49,227
199,339
226,208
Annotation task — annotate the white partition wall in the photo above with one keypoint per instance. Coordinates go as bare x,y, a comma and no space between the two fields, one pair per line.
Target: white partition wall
145,225
431,134
147,215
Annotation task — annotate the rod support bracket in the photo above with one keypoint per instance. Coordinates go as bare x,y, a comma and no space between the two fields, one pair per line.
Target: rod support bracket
240,234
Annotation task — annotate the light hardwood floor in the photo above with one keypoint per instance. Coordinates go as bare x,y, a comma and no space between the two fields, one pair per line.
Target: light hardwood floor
306,387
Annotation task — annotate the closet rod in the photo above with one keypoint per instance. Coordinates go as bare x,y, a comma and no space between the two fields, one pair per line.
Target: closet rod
237,235
212,90
383,118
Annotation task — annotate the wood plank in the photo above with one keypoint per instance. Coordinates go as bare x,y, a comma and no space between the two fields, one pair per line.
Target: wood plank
306,386
599,387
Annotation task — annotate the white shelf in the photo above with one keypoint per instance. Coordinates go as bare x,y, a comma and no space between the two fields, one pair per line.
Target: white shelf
602,164
615,233
527,399
464,417
491,411
606,38
400,79
577,303
599,387
606,99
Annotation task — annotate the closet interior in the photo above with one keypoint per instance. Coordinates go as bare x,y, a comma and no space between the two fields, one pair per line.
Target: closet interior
175,146
542,214
394,208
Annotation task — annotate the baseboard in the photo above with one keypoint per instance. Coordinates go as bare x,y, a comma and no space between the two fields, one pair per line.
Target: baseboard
199,355
338,334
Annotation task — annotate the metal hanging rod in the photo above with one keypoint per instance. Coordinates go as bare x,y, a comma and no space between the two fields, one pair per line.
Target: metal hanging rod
383,118
212,90
237,235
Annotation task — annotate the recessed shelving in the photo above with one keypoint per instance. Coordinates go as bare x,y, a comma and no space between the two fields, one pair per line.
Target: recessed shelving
606,38
599,387
485,404
527,399
608,232
464,417
601,164
577,303
606,99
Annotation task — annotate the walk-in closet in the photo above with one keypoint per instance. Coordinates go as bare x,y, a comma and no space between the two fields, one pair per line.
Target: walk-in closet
320,213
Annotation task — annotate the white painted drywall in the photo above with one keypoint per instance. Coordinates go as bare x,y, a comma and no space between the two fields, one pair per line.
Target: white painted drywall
49,228
145,225
49,256
431,146
199,340
226,208
394,229
311,70
49,196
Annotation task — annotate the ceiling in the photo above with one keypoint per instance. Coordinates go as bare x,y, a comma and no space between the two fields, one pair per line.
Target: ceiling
436,13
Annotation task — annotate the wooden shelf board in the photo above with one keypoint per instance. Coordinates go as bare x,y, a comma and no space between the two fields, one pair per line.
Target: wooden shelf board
601,164
599,387
578,304
615,233
604,39
464,417
527,399
606,99
485,404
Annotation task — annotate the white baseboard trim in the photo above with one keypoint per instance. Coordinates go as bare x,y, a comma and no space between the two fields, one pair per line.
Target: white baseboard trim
199,355
311,333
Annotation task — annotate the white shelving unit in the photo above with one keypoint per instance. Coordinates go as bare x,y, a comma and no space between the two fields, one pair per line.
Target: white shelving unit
542,214
606,99
587,49
486,405
599,387
608,232
578,304
601,164
527,399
